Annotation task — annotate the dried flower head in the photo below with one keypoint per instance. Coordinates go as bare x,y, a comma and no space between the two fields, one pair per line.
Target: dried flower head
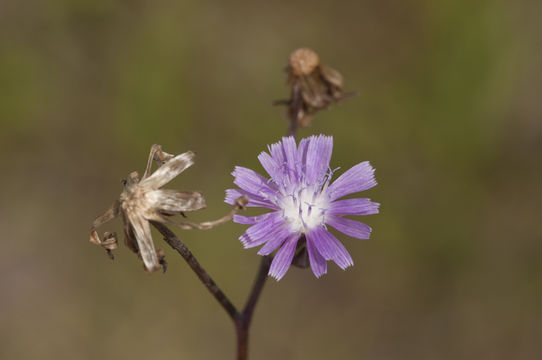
142,201
314,86
303,202
303,61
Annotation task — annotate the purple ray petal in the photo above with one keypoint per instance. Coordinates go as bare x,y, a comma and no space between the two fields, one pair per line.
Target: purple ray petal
276,238
317,237
318,156
342,256
358,178
253,182
330,247
302,149
317,261
254,200
283,258
271,166
249,242
275,150
290,154
245,239
359,206
349,227
302,154
262,228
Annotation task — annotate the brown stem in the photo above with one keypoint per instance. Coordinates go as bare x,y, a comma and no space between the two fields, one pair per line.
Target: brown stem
241,330
181,248
292,130
242,320
242,325
257,288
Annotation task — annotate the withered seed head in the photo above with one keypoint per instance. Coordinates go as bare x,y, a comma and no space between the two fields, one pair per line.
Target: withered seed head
143,201
303,61
314,86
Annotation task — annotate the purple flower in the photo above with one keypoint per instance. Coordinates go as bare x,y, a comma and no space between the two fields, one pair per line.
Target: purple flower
303,202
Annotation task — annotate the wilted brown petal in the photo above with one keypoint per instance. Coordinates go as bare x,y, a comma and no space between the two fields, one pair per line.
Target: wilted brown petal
332,76
110,241
142,233
94,238
313,92
172,202
108,215
169,170
158,155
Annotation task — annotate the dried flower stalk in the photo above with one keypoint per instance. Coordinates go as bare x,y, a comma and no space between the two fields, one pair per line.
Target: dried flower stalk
314,87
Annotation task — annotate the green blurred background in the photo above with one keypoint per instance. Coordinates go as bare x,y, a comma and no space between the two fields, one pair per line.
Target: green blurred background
448,113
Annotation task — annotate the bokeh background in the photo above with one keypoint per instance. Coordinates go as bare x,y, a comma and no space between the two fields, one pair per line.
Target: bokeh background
448,112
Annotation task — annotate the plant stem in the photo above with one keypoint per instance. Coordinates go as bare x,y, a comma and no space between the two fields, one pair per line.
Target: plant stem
242,323
292,130
242,326
257,288
213,288
241,320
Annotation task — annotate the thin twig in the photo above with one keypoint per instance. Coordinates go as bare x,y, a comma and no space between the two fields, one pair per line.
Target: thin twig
292,130
242,326
207,224
257,288
205,278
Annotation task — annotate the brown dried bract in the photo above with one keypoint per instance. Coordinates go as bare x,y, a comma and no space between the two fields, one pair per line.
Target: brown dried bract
301,257
314,86
142,201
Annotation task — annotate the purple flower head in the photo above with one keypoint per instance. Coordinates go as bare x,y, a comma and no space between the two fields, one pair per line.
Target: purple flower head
303,201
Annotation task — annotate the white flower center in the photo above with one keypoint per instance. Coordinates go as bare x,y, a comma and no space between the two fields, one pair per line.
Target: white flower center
304,209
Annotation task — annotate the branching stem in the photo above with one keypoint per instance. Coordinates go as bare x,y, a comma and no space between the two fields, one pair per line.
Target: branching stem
243,319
